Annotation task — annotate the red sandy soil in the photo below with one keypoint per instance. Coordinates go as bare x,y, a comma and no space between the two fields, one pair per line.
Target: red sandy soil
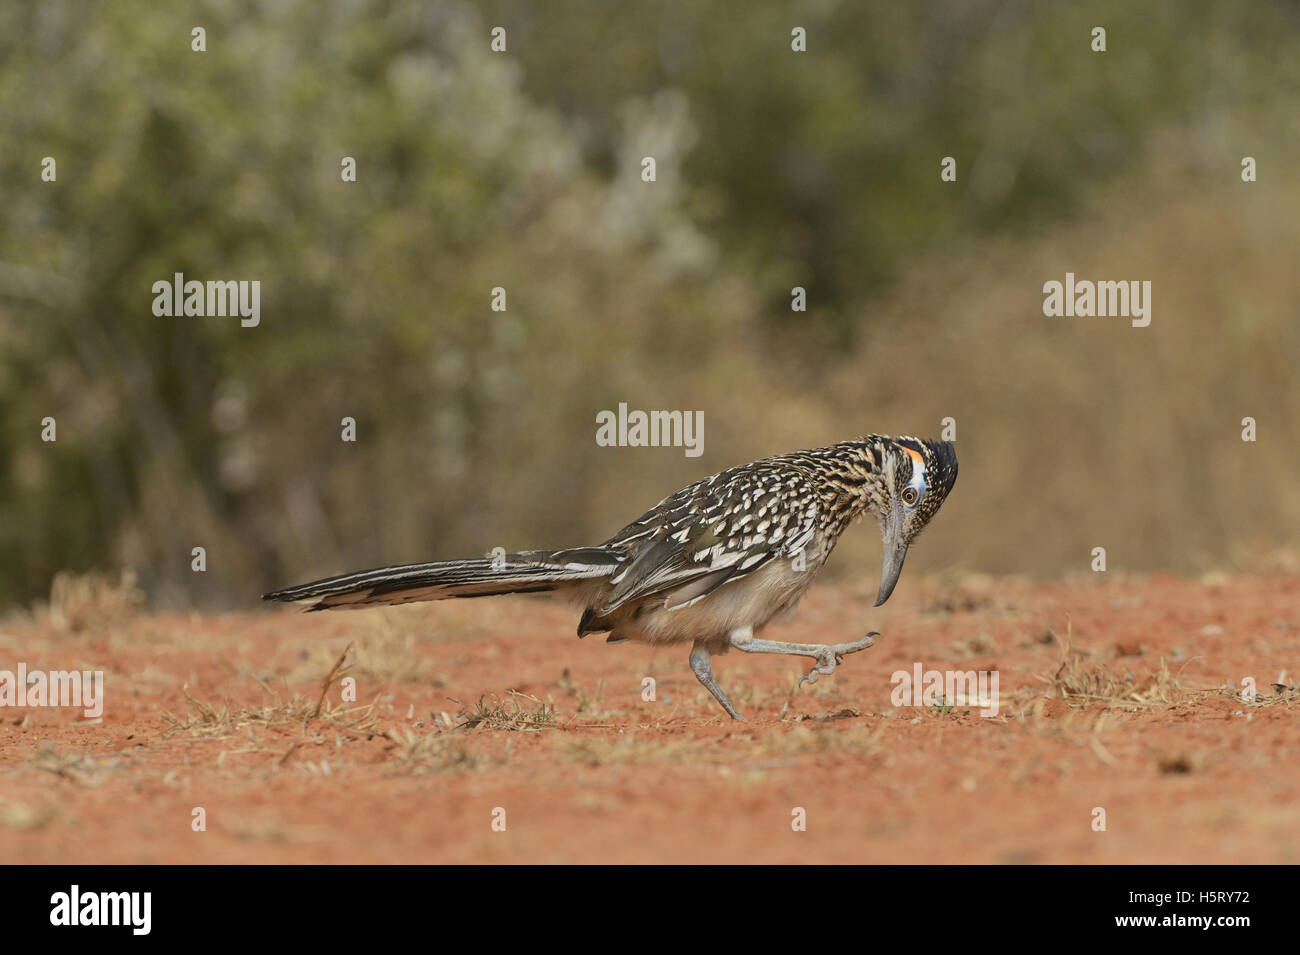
1185,771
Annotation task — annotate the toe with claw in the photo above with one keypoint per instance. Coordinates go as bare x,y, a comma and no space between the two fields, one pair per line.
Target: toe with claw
831,657
826,664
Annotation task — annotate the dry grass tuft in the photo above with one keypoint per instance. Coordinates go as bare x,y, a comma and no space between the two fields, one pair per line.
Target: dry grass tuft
1081,683
206,720
1273,695
509,715
79,600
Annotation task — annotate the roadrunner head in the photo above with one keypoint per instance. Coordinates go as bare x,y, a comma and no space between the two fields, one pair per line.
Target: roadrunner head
916,478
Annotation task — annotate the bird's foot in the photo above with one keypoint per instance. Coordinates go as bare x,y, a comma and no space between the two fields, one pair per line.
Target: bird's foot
826,665
832,656
703,670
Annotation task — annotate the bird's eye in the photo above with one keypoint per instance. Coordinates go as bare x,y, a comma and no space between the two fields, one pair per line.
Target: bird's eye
910,496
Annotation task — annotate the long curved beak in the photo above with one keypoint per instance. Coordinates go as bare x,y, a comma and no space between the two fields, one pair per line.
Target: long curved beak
895,552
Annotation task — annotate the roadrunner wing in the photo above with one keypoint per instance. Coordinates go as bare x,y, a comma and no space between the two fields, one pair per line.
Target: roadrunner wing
711,533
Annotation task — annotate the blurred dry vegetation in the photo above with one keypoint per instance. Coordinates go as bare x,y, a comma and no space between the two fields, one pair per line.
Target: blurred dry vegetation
775,169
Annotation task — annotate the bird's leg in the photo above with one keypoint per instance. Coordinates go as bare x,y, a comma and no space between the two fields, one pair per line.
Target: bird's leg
827,657
704,673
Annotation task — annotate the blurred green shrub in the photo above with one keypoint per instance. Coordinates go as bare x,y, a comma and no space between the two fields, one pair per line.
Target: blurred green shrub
478,170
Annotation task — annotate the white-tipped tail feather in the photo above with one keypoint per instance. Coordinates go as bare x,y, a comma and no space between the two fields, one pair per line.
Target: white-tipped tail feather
527,572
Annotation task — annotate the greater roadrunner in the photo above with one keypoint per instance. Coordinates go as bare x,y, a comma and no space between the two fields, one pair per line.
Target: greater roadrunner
711,565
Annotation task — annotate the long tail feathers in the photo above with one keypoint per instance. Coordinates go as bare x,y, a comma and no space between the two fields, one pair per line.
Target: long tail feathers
526,572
